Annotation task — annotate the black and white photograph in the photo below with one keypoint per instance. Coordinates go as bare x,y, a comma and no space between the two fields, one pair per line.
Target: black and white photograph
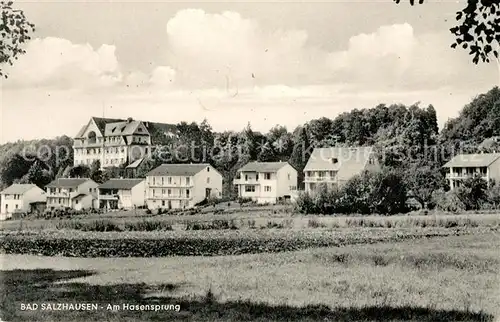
256,160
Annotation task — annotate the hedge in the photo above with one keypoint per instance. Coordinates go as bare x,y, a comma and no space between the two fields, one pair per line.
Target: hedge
147,245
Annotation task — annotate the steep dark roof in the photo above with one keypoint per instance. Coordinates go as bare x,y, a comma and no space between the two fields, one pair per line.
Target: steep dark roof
150,126
178,169
263,166
120,183
101,122
67,182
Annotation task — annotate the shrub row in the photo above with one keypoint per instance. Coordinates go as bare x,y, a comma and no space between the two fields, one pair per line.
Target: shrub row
184,245
107,225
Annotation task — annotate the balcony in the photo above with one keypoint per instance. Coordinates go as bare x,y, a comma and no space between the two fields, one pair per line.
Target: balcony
320,179
61,194
248,181
171,185
109,197
462,175
170,197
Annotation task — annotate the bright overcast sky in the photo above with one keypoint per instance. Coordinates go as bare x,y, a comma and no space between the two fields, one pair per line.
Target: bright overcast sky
267,63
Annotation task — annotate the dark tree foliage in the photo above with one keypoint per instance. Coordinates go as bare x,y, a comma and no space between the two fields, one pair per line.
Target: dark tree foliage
15,30
477,29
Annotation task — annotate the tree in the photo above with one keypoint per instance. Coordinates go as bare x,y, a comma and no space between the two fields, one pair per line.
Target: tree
472,192
422,182
267,153
477,29
79,171
96,173
15,30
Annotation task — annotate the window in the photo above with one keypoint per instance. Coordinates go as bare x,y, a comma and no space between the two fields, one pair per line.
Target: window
267,176
289,176
187,193
169,192
169,180
246,177
335,160
208,169
187,180
267,188
257,177
249,188
332,174
162,181
17,205
163,203
162,191
154,181
208,179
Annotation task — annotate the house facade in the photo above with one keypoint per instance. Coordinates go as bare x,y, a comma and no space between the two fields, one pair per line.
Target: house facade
122,194
115,142
180,186
77,194
20,198
336,165
266,182
463,166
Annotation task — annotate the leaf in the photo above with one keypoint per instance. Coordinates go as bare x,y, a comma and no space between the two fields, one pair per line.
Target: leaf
454,45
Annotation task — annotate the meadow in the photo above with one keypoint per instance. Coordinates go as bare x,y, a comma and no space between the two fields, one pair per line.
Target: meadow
259,264
453,278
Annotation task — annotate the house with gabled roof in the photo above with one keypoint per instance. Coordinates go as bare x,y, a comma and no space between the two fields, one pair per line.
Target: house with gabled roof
20,198
75,193
115,142
181,186
336,165
463,166
266,182
122,194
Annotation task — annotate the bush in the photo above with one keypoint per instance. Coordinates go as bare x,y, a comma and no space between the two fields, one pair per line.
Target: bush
314,223
305,204
202,245
219,224
148,211
148,225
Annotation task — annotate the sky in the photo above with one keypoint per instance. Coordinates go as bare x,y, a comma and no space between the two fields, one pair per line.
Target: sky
231,63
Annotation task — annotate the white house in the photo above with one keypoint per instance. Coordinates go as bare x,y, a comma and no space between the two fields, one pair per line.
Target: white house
266,182
80,193
19,198
335,166
122,194
179,186
463,166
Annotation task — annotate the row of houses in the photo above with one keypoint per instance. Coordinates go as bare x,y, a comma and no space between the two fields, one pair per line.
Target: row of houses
180,186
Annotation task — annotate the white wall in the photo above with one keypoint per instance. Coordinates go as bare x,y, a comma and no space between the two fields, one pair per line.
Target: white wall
201,183
287,177
139,194
494,171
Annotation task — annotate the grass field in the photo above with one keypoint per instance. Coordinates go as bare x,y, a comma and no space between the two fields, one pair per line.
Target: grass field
440,279
257,219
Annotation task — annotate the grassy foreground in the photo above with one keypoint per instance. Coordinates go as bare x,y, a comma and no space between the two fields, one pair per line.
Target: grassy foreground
451,278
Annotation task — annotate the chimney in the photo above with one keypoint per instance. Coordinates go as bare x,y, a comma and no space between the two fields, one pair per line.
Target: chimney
129,120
